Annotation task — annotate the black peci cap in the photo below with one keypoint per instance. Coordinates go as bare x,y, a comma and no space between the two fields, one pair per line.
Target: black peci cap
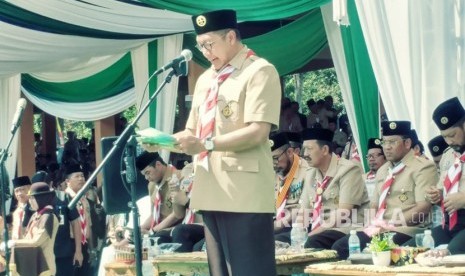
21,181
278,140
214,20
448,113
145,159
396,128
374,143
437,145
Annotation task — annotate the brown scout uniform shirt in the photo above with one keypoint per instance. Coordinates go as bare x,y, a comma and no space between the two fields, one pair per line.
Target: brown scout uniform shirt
407,189
346,186
238,181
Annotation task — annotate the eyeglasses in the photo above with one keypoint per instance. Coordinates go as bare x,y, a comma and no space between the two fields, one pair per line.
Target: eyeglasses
206,45
385,143
373,156
276,158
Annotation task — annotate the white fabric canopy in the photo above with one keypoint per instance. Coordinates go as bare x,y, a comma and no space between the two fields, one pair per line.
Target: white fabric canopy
109,15
89,111
416,49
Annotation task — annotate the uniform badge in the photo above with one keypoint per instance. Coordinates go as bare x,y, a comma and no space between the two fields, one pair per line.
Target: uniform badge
271,142
435,148
392,125
227,111
377,142
319,191
444,120
403,198
201,21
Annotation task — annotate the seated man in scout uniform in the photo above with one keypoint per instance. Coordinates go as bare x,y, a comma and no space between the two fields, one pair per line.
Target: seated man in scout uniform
290,173
158,174
334,190
375,157
399,197
449,117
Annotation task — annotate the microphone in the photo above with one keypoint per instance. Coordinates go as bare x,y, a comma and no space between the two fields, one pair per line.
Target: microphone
186,55
18,115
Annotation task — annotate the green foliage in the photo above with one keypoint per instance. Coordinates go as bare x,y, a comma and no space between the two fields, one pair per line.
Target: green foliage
130,113
382,242
315,85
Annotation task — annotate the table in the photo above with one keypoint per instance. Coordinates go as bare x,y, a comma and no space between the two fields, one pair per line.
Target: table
345,268
195,263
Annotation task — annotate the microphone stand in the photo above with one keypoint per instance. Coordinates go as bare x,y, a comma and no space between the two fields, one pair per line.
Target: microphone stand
5,195
122,139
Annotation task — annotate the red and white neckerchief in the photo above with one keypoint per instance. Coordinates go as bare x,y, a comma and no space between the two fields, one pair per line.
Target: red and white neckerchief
32,223
317,208
207,111
371,175
156,218
392,172
190,214
451,185
82,220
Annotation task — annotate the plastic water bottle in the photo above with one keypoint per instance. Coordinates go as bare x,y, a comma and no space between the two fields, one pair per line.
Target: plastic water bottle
146,246
298,237
428,240
354,243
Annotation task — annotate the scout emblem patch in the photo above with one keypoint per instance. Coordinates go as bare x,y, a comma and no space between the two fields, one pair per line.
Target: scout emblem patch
201,21
227,111
392,125
444,120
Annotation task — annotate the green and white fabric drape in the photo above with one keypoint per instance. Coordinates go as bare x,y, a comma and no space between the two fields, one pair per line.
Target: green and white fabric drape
355,76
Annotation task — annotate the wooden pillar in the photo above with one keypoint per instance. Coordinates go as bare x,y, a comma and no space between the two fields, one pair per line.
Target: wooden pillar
26,152
49,141
103,128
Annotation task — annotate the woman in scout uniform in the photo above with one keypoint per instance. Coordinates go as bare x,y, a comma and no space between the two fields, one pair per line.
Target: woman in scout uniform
399,197
290,173
42,228
333,189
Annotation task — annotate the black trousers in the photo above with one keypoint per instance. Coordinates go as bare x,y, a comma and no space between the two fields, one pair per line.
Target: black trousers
455,238
324,240
64,266
187,235
342,245
85,269
240,244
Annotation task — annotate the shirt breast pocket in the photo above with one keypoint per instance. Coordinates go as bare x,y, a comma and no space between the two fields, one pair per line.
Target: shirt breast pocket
230,106
405,196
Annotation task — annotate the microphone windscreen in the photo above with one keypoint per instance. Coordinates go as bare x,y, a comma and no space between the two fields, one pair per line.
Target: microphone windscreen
187,54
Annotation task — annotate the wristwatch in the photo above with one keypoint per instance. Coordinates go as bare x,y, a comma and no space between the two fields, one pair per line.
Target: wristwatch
208,144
